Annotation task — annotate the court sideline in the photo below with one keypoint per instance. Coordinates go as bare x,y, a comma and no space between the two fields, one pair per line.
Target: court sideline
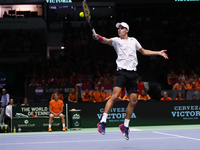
181,137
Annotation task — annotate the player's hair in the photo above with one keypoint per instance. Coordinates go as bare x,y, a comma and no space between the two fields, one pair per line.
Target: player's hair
26,98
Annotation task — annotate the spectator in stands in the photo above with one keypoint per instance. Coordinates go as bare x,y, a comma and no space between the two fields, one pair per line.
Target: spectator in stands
194,97
101,81
97,79
91,83
63,80
4,101
171,79
96,95
9,113
140,85
25,102
194,86
73,96
166,98
111,80
178,85
183,86
186,81
60,95
144,96
182,75
87,96
107,78
104,95
35,77
5,15
52,80
82,78
198,82
56,109
180,96
189,85
195,78
192,74
43,83
73,79
33,83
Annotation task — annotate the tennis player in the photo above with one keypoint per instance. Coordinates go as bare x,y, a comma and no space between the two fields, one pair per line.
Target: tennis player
126,48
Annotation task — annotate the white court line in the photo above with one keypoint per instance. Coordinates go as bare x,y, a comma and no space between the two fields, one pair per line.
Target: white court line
179,136
134,129
62,134
84,141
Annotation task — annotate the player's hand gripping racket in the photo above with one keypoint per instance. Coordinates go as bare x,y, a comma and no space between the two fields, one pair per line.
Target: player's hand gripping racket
87,15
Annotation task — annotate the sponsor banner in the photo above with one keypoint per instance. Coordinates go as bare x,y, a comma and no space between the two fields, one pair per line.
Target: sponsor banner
145,113
59,1
186,112
36,124
75,119
117,114
45,92
34,118
32,111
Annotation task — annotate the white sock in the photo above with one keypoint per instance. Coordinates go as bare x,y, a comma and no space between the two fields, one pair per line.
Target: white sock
103,119
63,125
49,125
126,122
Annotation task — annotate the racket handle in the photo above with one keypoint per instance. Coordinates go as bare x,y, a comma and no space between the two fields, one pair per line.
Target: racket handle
93,31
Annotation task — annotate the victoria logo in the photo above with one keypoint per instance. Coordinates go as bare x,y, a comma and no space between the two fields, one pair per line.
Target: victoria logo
59,1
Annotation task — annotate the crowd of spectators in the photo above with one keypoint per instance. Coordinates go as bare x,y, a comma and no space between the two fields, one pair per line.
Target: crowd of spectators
22,41
182,81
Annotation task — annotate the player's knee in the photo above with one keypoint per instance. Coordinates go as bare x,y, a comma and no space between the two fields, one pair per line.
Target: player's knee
114,97
61,115
133,102
51,115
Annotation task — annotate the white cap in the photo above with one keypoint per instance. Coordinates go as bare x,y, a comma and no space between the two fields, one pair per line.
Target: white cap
124,24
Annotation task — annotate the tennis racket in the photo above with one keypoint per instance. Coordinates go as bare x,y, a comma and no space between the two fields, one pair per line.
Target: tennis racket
87,15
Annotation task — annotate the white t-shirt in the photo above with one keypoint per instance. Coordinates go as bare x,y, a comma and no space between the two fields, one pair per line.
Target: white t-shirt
126,52
9,110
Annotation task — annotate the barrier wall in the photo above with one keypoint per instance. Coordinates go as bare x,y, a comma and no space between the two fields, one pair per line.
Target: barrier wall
39,123
146,113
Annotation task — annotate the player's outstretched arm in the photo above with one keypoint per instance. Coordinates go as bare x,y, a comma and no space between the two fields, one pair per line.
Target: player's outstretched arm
102,39
149,52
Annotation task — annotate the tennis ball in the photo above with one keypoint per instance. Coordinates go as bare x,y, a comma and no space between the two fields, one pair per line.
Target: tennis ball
73,109
81,14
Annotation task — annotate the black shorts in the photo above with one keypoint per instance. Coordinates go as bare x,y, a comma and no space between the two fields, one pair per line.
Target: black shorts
128,79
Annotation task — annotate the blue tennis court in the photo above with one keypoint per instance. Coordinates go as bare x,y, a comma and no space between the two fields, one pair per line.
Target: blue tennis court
141,138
